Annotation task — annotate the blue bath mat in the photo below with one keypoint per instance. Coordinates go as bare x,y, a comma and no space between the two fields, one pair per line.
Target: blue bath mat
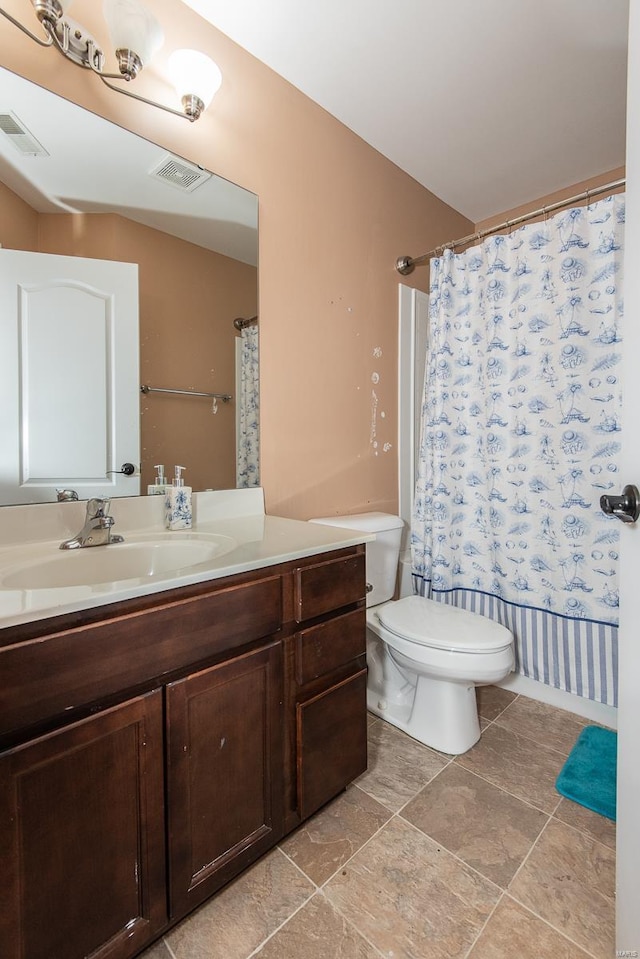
589,775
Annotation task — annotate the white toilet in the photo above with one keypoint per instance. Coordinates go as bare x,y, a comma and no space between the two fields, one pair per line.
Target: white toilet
425,657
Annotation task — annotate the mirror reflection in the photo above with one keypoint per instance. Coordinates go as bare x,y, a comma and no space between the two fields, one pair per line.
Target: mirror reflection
75,185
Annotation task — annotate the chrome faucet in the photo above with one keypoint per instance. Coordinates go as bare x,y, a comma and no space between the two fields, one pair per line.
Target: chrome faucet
67,496
97,527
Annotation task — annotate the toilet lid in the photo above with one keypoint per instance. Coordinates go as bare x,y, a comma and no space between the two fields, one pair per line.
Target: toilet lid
432,623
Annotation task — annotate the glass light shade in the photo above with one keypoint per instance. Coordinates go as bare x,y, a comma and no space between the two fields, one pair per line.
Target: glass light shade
132,27
194,74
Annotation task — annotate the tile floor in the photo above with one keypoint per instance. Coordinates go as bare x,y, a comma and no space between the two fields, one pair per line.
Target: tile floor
427,856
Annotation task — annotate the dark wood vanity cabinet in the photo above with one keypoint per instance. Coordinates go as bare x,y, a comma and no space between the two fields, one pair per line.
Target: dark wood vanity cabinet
154,748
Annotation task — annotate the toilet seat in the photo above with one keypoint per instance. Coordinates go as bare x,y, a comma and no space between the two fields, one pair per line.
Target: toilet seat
430,623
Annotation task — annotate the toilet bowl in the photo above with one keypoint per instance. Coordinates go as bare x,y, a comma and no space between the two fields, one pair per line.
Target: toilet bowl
424,657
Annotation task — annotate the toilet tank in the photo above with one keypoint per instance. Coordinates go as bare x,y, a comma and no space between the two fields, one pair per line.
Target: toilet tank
382,553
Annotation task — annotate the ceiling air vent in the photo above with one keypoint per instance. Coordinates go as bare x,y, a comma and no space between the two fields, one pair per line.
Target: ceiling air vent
17,134
184,176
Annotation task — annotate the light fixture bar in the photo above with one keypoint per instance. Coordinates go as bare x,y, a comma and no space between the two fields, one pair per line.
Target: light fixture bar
43,43
77,45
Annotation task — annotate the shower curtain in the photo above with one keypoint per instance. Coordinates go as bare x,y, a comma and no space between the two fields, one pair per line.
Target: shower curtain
521,436
248,466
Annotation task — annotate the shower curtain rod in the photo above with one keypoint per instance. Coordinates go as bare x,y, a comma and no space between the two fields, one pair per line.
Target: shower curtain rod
407,264
225,397
240,324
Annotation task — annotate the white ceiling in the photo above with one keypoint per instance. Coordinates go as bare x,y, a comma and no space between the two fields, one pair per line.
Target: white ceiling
488,103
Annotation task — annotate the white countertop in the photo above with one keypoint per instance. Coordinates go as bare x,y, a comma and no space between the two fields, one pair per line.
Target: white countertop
258,541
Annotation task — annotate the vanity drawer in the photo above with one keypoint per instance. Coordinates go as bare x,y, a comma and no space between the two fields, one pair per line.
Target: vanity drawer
327,646
46,677
323,587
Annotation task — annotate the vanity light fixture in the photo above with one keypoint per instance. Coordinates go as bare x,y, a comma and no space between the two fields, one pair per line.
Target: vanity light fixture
136,36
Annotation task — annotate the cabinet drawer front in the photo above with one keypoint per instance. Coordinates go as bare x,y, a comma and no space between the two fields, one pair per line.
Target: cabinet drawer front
323,648
323,587
93,662
331,742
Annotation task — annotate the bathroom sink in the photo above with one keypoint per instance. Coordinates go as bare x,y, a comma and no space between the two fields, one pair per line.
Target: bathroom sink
141,559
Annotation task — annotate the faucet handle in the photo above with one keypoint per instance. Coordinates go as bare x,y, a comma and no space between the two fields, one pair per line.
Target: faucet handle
67,495
98,507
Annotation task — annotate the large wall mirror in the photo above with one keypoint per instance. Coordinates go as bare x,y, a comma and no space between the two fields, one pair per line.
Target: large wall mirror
75,185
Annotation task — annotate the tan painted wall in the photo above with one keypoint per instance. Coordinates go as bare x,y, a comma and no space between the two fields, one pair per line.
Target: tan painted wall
18,222
574,189
188,298
334,215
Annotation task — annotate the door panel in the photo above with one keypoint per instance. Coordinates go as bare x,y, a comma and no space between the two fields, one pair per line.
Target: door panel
224,772
69,360
82,814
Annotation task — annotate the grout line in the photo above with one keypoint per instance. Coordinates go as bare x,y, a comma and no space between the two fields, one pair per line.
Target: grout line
169,949
484,926
453,855
353,926
299,868
536,742
527,802
531,848
282,924
582,832
551,926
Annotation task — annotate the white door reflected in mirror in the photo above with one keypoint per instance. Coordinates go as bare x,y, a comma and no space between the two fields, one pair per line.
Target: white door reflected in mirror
53,396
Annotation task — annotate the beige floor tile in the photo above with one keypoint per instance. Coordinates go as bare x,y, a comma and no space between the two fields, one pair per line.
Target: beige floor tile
546,725
317,931
595,825
244,914
398,766
492,700
483,825
517,764
327,840
514,932
157,951
410,898
569,880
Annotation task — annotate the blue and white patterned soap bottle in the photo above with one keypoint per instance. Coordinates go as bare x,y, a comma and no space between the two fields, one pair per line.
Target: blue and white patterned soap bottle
177,513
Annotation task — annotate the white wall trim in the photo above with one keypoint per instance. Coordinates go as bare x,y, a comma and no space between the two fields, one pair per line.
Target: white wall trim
596,712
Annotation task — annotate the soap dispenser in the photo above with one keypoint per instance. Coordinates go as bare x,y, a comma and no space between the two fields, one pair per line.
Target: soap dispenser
178,503
159,486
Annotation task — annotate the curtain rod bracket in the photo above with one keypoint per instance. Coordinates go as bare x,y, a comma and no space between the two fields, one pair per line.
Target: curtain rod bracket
405,265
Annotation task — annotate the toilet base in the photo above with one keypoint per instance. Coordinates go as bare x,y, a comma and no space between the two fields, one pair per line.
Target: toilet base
443,715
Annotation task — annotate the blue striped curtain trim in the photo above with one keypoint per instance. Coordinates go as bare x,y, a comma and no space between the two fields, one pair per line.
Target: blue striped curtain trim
579,656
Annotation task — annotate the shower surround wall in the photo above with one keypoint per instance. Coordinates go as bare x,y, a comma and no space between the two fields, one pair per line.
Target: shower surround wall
521,435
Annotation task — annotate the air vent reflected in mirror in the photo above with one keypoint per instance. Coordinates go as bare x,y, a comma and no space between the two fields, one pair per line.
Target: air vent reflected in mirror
18,135
180,174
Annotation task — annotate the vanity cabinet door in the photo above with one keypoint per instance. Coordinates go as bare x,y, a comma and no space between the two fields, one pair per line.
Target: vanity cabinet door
82,837
331,740
225,783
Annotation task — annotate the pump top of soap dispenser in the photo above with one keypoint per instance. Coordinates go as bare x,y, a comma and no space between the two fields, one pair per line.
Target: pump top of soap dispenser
178,480
160,478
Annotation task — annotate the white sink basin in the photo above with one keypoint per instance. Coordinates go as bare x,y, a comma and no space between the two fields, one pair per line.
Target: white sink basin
141,559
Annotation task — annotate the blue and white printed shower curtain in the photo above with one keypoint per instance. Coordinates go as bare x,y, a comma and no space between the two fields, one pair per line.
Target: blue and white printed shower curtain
248,465
520,438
